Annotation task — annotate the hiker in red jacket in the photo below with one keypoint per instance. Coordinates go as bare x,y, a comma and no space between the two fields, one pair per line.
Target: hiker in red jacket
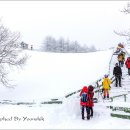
91,94
127,63
84,102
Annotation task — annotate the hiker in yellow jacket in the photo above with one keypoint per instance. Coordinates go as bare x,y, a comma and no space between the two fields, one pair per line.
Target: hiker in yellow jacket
106,86
121,59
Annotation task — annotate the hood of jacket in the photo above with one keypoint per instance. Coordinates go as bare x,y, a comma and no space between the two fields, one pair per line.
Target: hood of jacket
85,89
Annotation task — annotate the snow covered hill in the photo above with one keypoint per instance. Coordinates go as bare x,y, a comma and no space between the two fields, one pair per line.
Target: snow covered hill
53,75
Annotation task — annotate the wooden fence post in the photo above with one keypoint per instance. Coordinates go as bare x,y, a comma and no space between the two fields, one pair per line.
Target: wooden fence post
125,97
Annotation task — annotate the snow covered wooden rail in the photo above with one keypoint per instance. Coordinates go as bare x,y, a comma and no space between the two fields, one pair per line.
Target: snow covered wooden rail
25,103
124,95
70,94
53,101
9,102
99,84
97,87
115,108
122,115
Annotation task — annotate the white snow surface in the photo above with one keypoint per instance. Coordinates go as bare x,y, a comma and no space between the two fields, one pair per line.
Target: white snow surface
50,75
53,75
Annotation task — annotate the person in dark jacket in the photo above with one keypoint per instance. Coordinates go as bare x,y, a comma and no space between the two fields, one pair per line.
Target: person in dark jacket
84,102
117,72
91,94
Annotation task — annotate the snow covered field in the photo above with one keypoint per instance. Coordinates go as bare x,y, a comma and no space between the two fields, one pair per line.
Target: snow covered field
53,75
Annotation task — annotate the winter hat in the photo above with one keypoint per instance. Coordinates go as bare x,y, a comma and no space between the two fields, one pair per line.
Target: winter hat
85,89
90,88
105,75
116,64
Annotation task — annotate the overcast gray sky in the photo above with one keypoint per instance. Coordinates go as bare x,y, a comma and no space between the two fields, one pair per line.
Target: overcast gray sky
88,22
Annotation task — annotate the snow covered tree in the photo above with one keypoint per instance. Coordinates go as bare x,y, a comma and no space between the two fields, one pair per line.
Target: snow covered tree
64,46
92,48
124,33
9,53
126,10
61,43
76,46
49,44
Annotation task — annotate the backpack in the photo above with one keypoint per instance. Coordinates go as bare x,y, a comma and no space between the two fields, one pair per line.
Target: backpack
84,97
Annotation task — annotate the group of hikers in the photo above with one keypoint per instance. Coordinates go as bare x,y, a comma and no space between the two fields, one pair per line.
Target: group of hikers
87,93
121,60
86,101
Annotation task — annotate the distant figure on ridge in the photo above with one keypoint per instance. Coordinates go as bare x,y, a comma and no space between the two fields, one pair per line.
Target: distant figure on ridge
31,47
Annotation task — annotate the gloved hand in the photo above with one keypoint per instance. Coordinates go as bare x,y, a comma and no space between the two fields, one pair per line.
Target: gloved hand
102,90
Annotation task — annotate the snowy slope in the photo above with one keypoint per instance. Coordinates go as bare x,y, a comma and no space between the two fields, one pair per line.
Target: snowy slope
51,75
68,114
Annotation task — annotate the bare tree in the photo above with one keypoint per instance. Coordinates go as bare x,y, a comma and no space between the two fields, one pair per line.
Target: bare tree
64,46
126,10
9,53
123,33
